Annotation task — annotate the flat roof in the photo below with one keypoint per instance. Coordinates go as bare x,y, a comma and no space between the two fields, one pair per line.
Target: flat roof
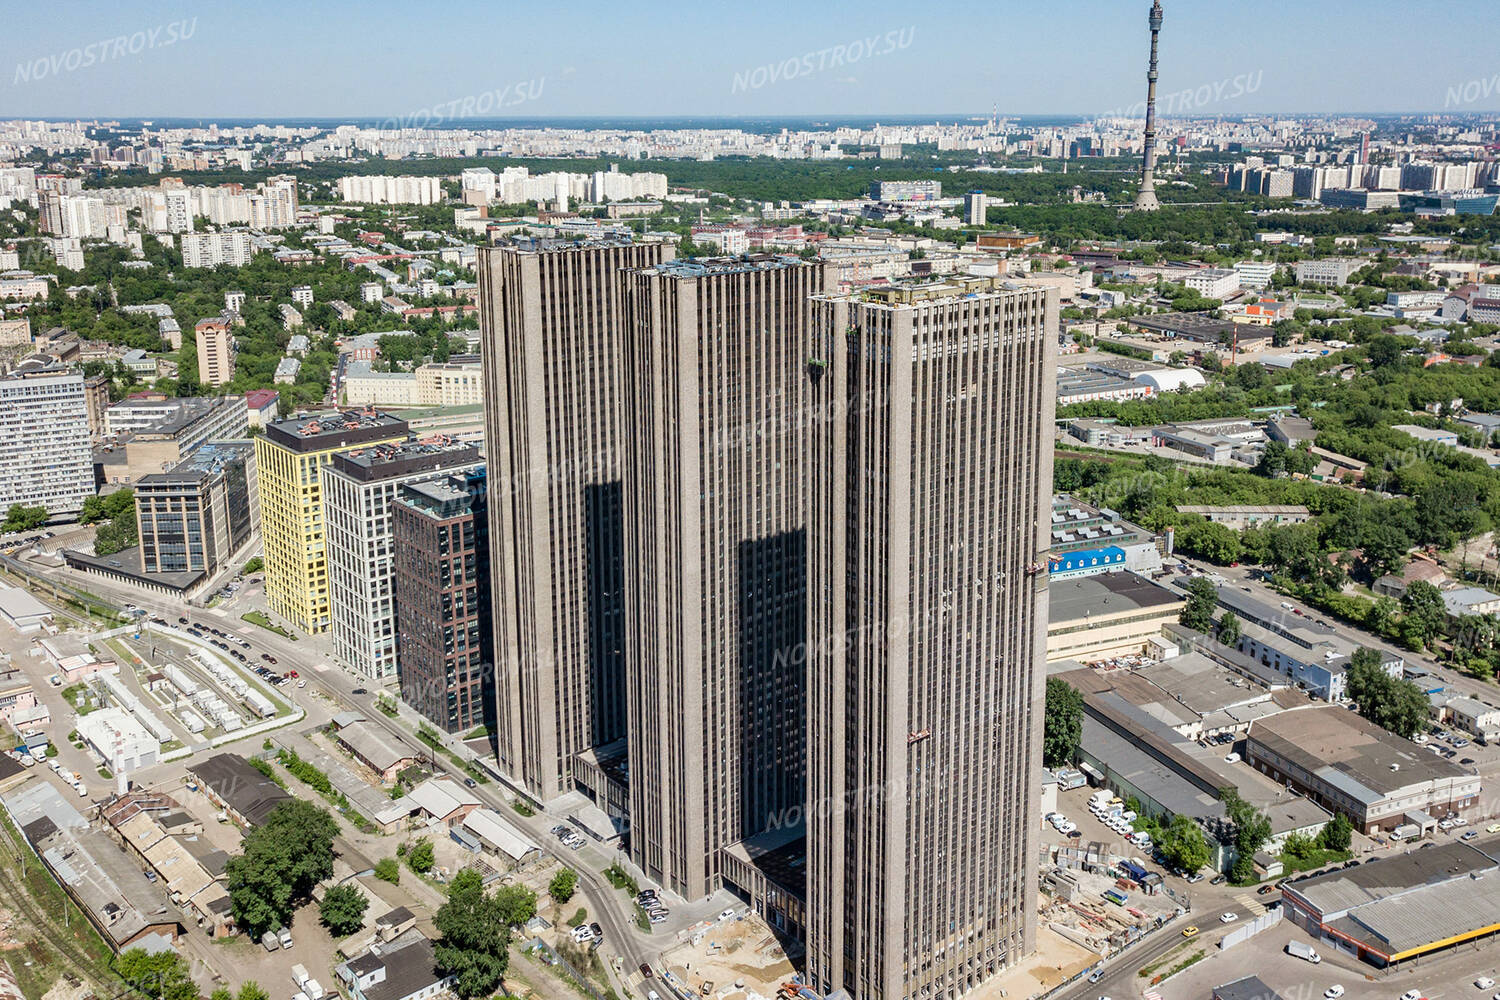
335,429
1125,757
388,460
1350,752
1105,593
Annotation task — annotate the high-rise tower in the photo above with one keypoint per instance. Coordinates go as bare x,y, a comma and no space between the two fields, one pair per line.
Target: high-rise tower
1145,199
550,315
927,634
717,478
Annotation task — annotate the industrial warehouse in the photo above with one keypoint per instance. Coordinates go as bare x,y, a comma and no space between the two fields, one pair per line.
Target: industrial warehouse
1388,911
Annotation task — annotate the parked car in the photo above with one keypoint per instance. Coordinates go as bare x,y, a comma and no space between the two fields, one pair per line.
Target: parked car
1218,879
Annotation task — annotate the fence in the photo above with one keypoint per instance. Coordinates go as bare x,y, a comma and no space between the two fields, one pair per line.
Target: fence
1245,932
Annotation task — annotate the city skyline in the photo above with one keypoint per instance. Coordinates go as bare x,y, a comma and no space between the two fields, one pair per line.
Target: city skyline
729,62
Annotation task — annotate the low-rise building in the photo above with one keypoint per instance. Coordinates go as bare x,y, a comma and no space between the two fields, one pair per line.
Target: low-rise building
1473,716
1397,908
1347,764
1087,540
1250,516
1108,615
1309,653
1330,272
107,884
230,783
404,968
369,745
118,740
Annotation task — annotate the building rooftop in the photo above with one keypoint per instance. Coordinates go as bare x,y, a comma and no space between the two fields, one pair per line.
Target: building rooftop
1105,594
702,267
175,415
205,461
1351,753
1249,988
334,429
389,460
1406,903
242,787
442,496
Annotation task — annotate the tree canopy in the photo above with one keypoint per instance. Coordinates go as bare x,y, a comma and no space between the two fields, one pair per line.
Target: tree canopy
1062,726
279,863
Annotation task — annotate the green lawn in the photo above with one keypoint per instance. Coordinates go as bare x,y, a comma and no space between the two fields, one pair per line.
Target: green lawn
259,618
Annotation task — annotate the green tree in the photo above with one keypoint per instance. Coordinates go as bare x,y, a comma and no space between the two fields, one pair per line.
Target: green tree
343,909
1062,723
160,976
279,863
388,870
562,885
251,990
1184,845
1229,629
474,935
1337,834
255,565
420,857
22,518
1250,830
1202,599
1391,702
1426,615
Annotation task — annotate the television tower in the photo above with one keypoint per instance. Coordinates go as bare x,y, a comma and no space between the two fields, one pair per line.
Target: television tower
1145,199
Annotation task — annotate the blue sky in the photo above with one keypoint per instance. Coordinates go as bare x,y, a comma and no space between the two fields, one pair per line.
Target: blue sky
749,57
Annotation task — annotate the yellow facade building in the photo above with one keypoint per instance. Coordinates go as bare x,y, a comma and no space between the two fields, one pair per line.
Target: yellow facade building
289,457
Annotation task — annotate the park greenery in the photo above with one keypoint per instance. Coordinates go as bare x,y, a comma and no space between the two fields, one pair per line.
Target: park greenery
1062,726
115,515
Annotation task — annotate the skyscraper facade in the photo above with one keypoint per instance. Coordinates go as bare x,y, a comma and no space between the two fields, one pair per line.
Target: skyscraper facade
289,458
45,458
550,315
359,487
717,387
929,529
442,609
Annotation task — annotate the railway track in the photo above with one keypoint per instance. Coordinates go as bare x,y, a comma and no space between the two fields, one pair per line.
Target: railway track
15,895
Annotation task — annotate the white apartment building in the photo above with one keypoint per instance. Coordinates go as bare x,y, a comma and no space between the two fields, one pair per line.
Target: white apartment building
1330,272
1255,273
725,241
214,249
83,217
23,285
435,384
1213,282
179,206
384,190
302,295
45,454
358,487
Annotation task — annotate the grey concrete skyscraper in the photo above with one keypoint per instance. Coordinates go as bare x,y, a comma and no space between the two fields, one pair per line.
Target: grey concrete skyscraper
1145,198
718,386
927,621
550,316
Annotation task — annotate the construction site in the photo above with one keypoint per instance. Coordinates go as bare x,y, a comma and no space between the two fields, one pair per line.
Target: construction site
737,958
